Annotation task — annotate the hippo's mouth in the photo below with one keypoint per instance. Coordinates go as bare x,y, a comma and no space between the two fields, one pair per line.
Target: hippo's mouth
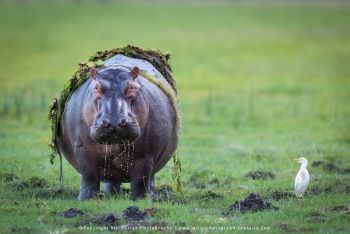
113,137
114,141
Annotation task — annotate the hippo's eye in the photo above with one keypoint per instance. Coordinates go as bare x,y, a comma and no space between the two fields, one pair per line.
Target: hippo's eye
98,90
131,89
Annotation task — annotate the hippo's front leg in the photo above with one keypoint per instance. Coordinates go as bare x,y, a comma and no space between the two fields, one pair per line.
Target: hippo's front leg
89,187
89,170
141,178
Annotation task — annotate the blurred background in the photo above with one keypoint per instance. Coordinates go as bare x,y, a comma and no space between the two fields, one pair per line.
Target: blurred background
259,82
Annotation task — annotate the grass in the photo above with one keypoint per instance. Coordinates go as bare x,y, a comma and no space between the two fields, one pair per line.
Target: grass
259,85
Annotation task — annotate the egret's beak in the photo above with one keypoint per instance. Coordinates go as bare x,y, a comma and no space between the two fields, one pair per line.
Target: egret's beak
297,159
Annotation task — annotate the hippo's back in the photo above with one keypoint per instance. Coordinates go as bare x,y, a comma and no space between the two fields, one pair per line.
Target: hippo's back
124,61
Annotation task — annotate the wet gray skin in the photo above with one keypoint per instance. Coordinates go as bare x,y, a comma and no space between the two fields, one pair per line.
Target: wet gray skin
118,127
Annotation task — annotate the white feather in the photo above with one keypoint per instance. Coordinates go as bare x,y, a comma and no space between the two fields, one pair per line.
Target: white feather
302,179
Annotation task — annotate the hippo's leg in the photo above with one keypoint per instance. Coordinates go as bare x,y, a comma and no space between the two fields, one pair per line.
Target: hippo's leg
90,181
152,184
112,187
89,187
141,178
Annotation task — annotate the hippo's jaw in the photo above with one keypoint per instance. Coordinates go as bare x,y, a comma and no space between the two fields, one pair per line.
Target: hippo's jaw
113,136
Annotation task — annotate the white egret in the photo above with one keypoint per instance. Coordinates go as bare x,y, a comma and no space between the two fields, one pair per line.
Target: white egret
302,179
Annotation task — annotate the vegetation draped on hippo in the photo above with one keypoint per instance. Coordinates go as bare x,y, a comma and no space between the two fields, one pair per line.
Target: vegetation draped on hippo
158,59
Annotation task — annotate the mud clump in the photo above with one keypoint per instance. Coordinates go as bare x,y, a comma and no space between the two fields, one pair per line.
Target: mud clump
281,195
150,212
37,182
33,182
331,167
8,177
260,175
101,220
316,218
71,212
214,181
162,194
286,227
196,184
132,216
254,202
133,213
336,187
63,193
345,209
211,196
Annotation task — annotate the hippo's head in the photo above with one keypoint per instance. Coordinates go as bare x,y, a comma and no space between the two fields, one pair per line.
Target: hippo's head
112,93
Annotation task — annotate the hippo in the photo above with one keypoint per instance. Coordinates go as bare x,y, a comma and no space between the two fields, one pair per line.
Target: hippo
120,127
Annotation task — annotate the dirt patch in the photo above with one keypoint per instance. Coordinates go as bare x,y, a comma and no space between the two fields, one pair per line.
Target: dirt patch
331,167
101,220
8,177
162,194
316,217
281,195
211,196
253,202
71,212
260,175
199,179
133,213
344,209
57,192
335,187
130,215
33,182
196,184
214,181
150,212
17,229
286,227
165,194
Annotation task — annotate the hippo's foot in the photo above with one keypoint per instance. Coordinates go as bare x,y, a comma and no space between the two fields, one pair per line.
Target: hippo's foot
152,184
88,190
112,188
141,178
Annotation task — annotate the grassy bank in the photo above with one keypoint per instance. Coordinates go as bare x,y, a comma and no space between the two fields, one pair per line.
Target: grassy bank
258,86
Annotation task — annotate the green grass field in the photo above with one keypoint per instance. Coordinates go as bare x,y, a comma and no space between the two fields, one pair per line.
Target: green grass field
258,85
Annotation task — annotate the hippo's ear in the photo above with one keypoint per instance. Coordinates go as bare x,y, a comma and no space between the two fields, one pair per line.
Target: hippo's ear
135,72
93,73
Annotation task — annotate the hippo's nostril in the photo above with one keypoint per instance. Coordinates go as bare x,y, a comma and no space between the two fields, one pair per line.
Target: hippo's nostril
106,123
122,123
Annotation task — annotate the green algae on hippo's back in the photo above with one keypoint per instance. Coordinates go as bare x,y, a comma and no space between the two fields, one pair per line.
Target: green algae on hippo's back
153,66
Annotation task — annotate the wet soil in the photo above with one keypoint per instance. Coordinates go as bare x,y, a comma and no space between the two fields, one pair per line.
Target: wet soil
253,202
260,175
316,217
329,166
33,182
210,195
8,177
281,195
70,213
133,213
